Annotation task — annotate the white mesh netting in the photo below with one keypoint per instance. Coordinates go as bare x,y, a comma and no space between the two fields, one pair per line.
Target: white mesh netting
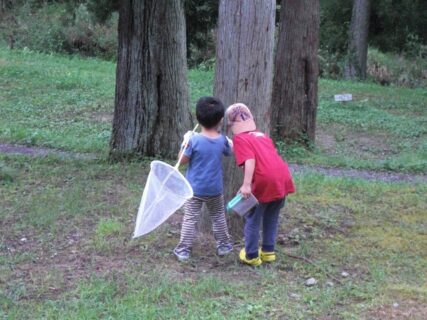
165,192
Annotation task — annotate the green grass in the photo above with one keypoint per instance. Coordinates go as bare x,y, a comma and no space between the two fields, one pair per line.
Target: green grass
382,128
78,260
66,224
67,103
55,101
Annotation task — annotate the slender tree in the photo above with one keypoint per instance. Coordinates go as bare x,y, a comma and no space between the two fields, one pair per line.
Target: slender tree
358,40
151,104
244,65
294,99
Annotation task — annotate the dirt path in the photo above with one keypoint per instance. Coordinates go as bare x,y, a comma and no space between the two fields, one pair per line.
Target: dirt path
40,152
385,176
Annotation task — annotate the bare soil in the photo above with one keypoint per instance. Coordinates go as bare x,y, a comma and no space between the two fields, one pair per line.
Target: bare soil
41,152
408,309
374,175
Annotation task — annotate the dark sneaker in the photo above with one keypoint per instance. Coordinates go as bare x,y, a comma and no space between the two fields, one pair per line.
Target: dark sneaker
181,255
224,249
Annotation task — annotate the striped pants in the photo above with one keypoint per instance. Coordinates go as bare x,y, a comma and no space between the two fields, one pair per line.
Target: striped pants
192,212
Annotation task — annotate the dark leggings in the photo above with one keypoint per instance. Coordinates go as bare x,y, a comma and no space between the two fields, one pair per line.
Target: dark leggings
268,213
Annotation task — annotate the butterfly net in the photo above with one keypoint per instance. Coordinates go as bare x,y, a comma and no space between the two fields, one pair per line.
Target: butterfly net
165,192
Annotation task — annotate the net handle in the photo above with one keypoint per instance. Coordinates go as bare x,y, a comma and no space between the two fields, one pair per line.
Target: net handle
185,147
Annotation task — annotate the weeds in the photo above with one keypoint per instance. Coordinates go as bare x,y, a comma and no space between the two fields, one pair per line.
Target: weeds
83,264
65,248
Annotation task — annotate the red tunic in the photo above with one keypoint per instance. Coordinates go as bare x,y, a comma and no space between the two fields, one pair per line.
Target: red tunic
271,180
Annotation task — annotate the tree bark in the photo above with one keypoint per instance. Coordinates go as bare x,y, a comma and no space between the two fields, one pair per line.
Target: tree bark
151,104
244,65
296,71
358,40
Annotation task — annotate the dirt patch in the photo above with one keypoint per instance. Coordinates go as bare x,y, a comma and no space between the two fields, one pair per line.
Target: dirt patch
58,265
326,141
41,152
362,144
371,175
297,169
335,139
63,272
406,309
102,117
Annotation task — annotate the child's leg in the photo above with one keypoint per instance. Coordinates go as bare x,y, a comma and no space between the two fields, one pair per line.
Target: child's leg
188,230
219,223
251,231
270,225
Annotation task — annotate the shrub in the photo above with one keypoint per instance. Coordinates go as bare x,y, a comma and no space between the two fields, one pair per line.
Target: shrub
396,69
52,28
330,64
383,68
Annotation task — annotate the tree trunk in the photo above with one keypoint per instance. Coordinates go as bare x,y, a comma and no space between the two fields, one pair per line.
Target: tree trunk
296,71
151,105
244,65
358,40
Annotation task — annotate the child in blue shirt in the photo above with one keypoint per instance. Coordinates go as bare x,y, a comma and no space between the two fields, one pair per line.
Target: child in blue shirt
204,173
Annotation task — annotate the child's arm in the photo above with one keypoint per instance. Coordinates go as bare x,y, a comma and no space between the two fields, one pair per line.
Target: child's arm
186,147
246,188
184,159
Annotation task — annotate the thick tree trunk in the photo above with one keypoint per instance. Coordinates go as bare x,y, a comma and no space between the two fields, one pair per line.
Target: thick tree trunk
358,40
294,99
151,106
244,65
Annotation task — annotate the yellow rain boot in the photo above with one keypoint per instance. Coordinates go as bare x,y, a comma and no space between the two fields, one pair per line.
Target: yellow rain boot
267,256
252,262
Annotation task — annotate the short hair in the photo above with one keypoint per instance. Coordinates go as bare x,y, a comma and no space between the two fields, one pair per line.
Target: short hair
209,111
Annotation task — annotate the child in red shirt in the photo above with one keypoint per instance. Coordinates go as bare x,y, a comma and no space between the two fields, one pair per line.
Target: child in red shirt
266,176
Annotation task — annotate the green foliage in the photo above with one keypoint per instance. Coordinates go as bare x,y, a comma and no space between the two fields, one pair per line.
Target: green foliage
399,25
389,69
201,17
331,64
90,27
53,29
395,26
102,9
383,68
335,16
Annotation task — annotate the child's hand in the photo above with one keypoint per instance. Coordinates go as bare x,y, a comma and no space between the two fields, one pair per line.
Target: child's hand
245,190
230,142
187,137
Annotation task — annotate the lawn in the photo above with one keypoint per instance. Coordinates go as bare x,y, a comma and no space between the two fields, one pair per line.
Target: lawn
65,223
67,103
66,251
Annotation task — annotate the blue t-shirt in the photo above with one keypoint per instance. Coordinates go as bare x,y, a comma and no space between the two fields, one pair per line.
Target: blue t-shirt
204,170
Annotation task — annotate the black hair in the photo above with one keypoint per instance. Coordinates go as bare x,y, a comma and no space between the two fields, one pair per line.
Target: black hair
209,112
